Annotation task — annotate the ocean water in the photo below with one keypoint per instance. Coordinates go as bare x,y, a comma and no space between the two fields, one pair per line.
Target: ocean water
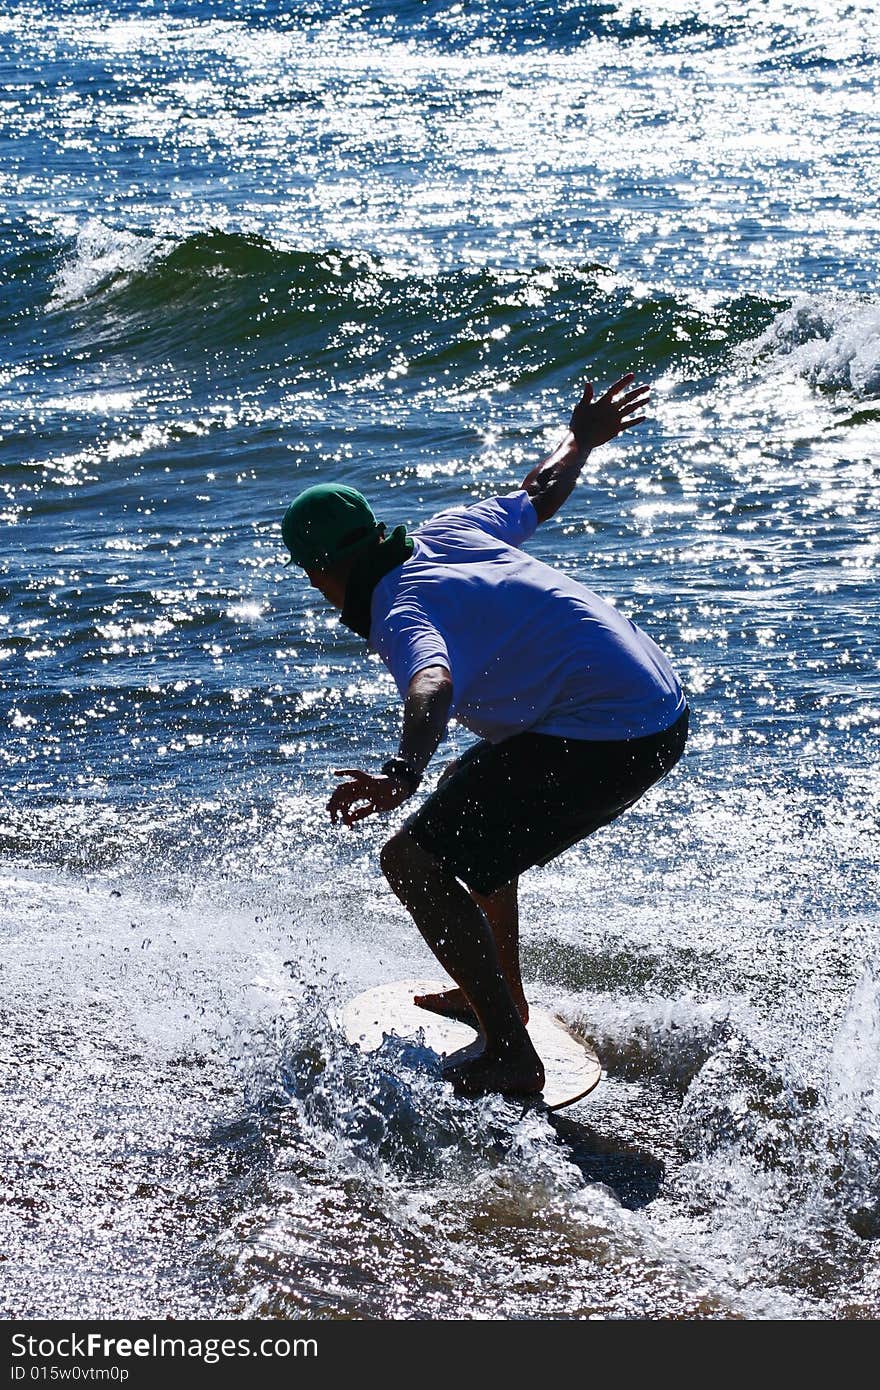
247,246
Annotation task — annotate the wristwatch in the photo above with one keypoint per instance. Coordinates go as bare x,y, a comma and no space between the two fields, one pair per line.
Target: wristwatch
400,769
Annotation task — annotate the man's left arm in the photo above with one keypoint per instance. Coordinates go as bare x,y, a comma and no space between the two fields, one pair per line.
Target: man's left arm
592,423
425,716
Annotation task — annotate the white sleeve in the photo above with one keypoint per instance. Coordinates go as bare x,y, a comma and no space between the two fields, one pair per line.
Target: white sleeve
409,642
511,518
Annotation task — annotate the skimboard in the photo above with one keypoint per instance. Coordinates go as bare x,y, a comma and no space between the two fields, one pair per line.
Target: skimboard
572,1070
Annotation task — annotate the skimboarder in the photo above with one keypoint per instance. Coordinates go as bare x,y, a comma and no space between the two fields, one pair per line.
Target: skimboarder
578,713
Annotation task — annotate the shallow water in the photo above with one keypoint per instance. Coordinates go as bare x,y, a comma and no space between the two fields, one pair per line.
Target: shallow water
244,251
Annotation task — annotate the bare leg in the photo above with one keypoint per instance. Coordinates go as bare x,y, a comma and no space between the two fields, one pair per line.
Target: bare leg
459,935
501,910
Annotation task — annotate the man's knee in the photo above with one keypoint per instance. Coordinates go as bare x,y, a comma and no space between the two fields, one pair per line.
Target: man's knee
395,858
404,862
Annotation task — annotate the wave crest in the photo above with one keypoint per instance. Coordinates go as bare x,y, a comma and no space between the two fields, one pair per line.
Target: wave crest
349,312
833,341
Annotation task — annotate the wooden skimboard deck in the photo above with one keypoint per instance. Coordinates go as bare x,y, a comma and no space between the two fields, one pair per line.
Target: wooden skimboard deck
572,1069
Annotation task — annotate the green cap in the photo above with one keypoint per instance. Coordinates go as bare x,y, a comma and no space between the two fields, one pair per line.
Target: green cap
326,523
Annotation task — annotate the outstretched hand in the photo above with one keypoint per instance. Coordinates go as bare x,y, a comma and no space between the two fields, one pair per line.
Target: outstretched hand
364,795
595,422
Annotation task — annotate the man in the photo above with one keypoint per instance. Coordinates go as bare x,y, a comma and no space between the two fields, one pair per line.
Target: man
578,712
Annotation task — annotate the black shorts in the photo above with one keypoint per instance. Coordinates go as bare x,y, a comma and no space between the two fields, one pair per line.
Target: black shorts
508,806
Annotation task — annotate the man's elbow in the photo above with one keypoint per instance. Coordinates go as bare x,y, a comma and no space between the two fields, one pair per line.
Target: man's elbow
433,683
545,506
544,497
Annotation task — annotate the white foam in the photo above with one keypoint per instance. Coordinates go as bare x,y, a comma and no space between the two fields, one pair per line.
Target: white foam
854,1063
834,341
101,254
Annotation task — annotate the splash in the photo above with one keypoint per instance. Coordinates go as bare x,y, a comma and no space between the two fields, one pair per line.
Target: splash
100,257
833,341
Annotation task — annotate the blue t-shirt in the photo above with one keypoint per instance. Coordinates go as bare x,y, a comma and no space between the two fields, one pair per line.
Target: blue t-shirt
526,647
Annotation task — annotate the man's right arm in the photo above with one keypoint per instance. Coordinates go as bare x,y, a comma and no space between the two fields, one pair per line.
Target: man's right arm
425,716
592,423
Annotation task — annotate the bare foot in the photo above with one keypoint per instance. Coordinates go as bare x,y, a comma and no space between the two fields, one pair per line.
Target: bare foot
454,1003
449,1003
519,1073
